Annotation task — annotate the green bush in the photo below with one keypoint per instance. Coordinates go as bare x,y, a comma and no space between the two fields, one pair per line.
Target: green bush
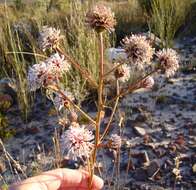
167,16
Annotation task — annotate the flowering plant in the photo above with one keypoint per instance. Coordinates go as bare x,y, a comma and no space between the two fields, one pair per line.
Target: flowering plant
83,141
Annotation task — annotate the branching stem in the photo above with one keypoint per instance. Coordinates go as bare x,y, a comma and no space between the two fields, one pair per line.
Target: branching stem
100,112
113,113
57,89
133,87
113,69
77,66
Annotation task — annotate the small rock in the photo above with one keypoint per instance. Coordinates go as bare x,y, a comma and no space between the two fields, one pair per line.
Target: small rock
32,130
140,174
147,139
172,81
141,118
169,163
160,151
129,123
178,115
140,131
180,140
153,168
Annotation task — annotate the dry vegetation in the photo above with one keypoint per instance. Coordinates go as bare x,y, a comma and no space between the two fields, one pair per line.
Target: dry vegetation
20,25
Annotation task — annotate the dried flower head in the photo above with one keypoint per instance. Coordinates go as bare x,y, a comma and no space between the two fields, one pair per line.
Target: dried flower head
147,83
122,72
115,141
47,72
49,38
61,102
76,142
101,18
138,49
169,61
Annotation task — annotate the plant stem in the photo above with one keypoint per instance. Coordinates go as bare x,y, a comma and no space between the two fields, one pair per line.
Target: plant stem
100,102
11,160
100,89
118,167
113,69
76,65
113,113
133,87
26,53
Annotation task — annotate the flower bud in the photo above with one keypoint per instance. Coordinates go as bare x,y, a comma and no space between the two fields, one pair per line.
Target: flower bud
73,117
168,61
147,83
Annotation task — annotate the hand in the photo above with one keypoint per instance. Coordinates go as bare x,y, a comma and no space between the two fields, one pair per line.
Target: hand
59,179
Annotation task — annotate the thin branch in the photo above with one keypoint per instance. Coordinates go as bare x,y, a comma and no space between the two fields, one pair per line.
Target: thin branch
133,87
27,53
113,113
113,69
100,103
111,118
55,88
100,89
9,157
76,65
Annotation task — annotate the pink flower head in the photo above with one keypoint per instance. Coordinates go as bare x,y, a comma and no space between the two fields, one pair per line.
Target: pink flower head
76,142
47,72
138,49
49,38
169,61
36,76
101,18
57,65
122,72
147,83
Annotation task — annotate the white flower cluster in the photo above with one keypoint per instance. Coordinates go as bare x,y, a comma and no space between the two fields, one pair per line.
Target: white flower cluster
147,83
138,50
47,72
49,38
76,142
169,61
122,72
